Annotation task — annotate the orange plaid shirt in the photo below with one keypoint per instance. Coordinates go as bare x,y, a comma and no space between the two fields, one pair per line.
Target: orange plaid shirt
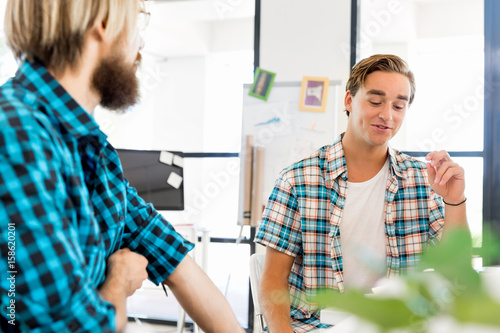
304,212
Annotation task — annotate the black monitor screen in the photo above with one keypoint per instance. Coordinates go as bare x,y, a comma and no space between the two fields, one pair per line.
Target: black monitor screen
157,175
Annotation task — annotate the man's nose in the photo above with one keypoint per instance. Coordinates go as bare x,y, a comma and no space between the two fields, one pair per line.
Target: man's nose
386,112
141,43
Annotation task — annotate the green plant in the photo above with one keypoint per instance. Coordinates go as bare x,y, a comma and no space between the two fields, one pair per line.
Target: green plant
451,288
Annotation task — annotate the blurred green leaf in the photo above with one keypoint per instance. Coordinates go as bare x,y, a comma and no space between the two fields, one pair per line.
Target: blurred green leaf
387,313
452,259
477,309
452,288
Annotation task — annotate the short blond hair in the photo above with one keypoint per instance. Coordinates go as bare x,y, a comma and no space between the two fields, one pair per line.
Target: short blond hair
379,62
53,31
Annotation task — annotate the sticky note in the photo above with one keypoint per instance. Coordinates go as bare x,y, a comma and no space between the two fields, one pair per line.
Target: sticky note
174,180
166,157
179,161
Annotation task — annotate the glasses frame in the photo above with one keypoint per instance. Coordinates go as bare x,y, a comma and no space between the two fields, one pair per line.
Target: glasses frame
143,20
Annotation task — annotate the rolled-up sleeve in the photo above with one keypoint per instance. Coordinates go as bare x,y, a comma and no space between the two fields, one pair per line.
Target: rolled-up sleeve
149,234
280,225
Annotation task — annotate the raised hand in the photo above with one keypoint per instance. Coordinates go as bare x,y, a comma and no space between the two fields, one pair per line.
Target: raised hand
446,177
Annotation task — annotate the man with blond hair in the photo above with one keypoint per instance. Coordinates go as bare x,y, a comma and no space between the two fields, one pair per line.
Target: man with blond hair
76,239
356,211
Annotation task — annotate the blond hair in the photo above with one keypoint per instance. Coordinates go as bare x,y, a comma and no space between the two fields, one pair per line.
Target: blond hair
53,31
379,62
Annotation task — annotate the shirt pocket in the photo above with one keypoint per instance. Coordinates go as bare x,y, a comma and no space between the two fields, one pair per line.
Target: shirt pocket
412,240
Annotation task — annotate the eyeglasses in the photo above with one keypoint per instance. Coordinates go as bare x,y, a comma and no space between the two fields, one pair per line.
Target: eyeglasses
143,20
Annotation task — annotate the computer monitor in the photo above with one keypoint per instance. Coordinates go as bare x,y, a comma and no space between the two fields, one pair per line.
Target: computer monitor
157,176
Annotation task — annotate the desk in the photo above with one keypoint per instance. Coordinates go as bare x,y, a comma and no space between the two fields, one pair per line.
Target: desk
490,278
345,323
332,316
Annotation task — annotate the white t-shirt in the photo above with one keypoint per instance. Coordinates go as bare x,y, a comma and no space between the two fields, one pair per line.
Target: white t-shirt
362,232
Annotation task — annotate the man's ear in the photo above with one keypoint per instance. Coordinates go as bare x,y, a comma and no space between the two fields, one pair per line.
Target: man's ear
99,30
348,101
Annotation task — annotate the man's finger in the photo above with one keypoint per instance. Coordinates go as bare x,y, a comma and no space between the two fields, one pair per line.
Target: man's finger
437,158
453,171
443,169
431,172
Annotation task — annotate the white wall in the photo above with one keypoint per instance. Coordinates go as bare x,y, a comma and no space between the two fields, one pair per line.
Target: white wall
224,99
179,104
170,114
307,38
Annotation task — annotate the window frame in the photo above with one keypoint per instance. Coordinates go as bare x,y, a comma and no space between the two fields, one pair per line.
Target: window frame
491,180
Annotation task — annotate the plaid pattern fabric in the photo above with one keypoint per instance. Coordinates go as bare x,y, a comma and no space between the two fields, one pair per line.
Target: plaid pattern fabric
304,212
62,186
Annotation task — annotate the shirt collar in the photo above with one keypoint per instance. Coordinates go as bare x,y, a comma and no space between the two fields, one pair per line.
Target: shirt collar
335,158
395,166
35,77
337,166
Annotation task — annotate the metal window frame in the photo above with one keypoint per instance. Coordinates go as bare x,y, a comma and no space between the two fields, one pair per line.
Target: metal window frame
491,181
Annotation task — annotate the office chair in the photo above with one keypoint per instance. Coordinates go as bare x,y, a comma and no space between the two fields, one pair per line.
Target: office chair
256,264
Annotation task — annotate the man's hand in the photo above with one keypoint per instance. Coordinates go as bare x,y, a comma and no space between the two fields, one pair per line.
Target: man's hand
446,177
125,274
127,271
448,180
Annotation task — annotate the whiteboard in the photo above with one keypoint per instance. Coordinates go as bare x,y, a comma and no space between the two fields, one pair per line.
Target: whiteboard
286,133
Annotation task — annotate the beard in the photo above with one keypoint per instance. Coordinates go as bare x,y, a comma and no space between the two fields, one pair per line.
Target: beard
116,83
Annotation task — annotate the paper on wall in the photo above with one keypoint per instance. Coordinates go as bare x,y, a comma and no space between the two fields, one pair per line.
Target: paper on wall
166,157
179,161
174,180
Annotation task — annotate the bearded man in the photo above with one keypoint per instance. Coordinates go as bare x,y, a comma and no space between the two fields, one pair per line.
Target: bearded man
75,237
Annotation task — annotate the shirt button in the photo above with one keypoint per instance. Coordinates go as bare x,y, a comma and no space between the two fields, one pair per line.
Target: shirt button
121,218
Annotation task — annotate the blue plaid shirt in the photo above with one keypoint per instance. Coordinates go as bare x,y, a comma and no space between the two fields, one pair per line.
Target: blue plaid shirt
304,212
63,196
